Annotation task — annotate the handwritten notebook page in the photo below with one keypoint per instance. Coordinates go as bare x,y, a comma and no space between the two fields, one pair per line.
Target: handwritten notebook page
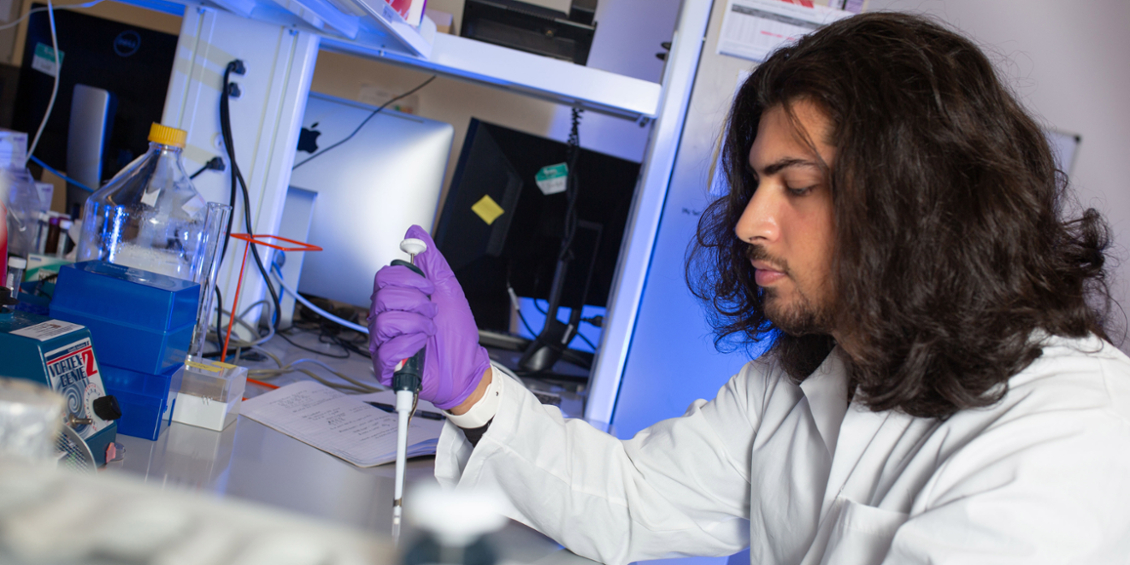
339,424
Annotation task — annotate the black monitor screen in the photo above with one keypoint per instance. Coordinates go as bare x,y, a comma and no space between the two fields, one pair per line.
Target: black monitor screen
133,63
522,244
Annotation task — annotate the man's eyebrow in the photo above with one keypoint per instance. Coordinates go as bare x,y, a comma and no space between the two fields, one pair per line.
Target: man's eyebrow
787,162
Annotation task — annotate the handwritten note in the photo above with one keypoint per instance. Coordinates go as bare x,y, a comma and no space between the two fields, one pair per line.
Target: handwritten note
339,424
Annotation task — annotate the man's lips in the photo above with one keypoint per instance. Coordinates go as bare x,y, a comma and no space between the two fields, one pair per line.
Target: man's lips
766,274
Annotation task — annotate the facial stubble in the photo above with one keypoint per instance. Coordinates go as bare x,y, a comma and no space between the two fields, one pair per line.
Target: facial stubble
804,316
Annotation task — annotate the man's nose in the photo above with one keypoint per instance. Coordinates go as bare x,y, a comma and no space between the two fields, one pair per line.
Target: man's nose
758,223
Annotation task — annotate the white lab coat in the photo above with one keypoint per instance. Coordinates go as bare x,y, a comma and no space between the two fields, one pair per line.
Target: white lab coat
800,476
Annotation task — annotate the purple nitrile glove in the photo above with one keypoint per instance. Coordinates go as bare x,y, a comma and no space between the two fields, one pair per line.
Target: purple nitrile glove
403,319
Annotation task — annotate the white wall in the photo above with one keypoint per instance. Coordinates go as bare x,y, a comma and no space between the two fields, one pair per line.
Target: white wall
629,34
1067,62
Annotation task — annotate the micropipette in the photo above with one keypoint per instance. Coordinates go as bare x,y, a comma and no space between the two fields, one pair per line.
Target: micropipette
406,383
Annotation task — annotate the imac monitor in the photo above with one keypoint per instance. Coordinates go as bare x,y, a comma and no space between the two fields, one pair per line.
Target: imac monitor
370,189
520,246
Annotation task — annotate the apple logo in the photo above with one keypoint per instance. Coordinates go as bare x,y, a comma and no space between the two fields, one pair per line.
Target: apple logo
308,139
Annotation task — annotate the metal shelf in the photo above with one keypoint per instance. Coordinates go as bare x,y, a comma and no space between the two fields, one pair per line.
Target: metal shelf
368,28
532,75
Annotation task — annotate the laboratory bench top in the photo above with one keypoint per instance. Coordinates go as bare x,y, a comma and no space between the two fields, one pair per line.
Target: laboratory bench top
564,387
252,462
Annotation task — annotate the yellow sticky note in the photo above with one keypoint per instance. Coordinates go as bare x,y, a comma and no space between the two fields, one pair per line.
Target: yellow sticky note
487,209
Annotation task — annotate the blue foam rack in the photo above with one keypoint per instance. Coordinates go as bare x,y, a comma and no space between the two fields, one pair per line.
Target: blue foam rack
139,320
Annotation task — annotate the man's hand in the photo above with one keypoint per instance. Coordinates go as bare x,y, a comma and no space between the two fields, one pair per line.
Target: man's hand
410,312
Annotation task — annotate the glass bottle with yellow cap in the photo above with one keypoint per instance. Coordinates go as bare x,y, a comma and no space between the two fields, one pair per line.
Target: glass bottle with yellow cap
149,216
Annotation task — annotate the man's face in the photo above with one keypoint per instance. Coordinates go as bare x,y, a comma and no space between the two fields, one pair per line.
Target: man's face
789,221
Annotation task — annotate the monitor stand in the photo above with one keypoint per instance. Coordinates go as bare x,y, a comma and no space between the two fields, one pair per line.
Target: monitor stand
507,349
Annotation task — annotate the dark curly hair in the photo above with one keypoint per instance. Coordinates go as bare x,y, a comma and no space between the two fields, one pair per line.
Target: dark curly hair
950,253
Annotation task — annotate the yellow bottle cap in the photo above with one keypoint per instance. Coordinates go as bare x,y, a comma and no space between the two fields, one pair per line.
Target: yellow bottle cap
166,135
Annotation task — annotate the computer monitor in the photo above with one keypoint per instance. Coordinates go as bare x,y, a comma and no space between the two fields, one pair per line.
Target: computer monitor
521,246
133,64
370,189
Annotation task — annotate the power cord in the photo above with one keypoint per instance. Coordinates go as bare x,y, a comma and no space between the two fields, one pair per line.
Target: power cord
304,348
355,327
231,90
63,176
55,88
572,183
213,164
13,24
363,122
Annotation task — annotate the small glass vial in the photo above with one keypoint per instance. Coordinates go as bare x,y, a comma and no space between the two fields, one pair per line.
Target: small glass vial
15,275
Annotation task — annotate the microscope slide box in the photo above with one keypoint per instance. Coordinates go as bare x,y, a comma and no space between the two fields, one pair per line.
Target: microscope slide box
139,320
146,400
210,393
203,412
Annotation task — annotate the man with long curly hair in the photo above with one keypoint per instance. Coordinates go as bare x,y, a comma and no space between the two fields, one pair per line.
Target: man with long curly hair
940,386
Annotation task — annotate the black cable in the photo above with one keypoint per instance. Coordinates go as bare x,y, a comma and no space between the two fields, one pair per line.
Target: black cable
522,317
355,348
572,152
554,335
363,122
335,333
225,122
45,280
586,340
229,145
215,164
349,345
255,251
304,348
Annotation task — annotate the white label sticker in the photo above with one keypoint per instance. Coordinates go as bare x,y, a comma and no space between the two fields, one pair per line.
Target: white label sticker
74,374
552,179
47,330
150,198
194,205
43,60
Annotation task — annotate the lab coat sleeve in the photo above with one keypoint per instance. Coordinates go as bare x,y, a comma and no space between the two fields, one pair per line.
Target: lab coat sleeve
1048,484
680,487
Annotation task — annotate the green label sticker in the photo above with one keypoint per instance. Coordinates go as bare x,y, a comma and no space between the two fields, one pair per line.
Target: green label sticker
551,179
44,59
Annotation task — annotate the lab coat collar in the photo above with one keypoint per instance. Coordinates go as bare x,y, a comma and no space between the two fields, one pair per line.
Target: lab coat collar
826,391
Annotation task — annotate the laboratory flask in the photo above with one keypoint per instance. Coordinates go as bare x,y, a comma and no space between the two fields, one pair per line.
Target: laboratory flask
150,217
